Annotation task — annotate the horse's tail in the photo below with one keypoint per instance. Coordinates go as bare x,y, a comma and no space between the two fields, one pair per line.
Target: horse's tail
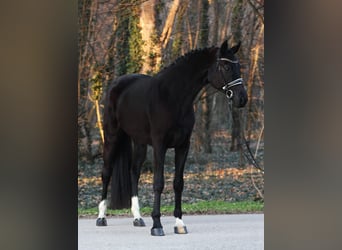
121,178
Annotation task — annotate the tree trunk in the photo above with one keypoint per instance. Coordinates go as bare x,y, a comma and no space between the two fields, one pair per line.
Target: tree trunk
213,18
167,30
148,29
201,40
237,17
251,79
206,136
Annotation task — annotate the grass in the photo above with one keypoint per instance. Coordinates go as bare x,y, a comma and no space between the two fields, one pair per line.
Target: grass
204,207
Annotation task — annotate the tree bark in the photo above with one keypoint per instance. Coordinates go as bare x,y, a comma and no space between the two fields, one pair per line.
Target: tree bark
167,30
213,17
251,79
147,24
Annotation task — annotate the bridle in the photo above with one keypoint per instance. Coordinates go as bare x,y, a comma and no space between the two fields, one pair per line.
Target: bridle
229,94
242,142
226,87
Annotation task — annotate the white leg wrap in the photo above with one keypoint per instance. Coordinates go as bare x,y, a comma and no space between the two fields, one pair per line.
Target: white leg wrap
102,209
179,223
135,207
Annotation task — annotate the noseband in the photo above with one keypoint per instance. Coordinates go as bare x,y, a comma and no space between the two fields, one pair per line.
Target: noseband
227,86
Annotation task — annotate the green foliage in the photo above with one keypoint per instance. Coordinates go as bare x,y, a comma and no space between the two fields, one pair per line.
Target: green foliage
135,44
158,7
152,56
96,86
129,40
176,47
122,51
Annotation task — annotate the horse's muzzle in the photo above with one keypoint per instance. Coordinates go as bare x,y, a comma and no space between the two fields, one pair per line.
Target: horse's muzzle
243,100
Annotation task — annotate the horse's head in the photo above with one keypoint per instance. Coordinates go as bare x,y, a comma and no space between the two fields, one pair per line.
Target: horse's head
225,75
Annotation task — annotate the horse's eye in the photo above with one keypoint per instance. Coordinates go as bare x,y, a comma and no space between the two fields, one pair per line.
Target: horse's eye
226,67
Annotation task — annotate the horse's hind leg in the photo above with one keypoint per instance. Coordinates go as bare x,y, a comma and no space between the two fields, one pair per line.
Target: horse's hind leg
178,184
139,156
106,175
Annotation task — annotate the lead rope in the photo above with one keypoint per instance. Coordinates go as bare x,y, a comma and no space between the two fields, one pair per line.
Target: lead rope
244,144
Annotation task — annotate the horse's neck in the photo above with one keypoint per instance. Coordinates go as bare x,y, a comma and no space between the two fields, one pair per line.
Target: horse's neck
184,91
195,87
184,80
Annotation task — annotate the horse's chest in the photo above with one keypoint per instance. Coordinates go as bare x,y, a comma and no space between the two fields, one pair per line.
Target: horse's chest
177,136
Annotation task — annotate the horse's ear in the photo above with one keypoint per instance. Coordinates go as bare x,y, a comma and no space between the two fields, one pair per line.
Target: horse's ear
236,48
224,47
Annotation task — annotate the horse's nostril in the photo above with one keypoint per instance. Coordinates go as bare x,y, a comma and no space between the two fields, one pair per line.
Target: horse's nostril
243,101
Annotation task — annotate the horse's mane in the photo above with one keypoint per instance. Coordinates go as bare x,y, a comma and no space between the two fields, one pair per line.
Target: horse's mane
196,55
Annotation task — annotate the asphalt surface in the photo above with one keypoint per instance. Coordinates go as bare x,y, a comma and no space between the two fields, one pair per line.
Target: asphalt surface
229,232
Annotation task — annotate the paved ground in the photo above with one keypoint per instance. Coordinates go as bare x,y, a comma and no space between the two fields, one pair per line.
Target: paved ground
230,232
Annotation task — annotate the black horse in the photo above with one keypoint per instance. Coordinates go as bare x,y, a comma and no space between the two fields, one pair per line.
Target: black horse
158,111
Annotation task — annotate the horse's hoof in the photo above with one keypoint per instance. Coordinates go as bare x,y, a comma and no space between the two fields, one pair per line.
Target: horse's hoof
101,222
180,230
157,232
139,222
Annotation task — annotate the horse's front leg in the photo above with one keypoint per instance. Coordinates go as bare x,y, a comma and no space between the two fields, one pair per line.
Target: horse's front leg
181,153
159,151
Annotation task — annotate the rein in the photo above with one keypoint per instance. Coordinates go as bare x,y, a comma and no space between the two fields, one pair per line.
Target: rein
242,142
229,93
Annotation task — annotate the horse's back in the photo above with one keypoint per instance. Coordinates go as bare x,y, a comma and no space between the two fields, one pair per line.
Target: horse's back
122,83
